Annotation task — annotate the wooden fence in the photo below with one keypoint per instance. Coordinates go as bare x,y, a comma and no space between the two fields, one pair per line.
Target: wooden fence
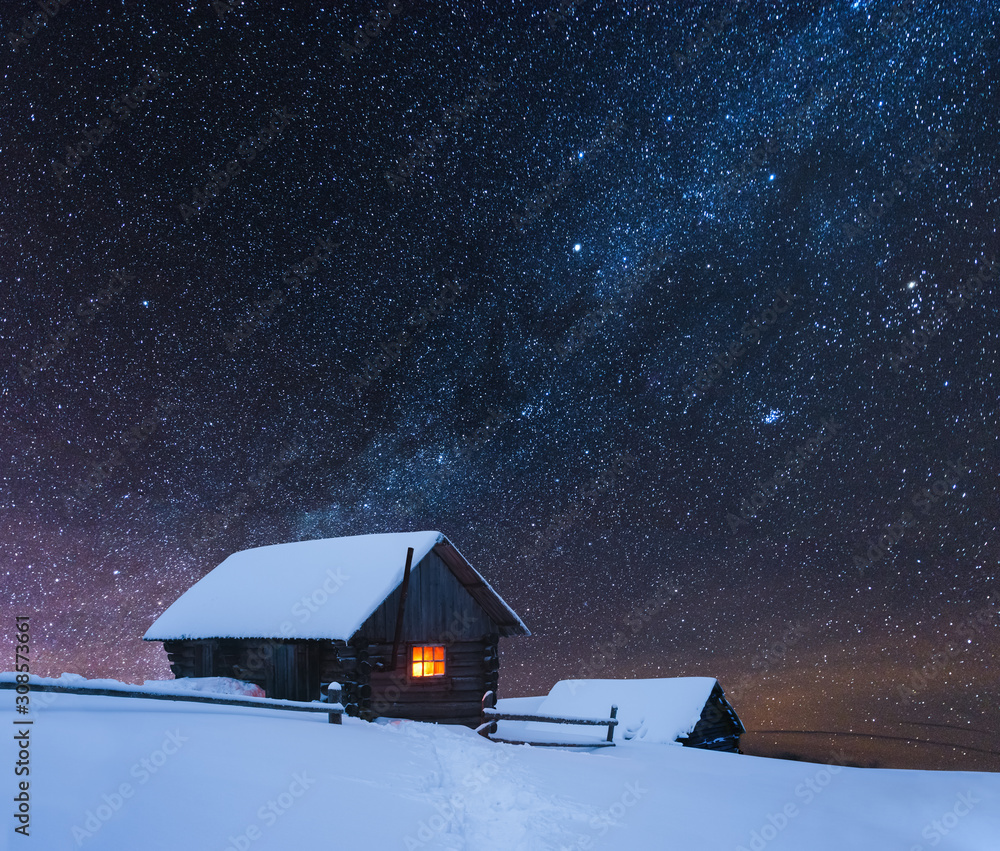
491,715
331,706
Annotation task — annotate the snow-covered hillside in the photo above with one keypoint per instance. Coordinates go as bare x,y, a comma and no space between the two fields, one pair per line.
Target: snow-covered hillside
111,773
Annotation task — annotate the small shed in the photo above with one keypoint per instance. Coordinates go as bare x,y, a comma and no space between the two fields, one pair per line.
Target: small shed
692,711
402,621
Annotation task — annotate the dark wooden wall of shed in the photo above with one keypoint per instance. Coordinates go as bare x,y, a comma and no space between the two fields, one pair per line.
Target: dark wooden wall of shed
719,728
188,658
471,669
438,609
287,670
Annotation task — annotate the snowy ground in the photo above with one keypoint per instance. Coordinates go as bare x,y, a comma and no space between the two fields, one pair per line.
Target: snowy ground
127,774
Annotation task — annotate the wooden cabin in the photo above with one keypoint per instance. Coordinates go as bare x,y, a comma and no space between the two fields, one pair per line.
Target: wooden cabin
401,621
690,710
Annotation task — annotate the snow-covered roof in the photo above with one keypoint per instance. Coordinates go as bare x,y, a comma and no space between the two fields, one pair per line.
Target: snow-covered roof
324,589
653,710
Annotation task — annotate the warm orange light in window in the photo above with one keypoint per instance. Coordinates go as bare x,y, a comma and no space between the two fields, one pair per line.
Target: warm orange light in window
427,661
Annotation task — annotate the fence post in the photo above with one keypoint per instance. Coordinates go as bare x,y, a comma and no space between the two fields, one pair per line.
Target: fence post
611,727
331,695
489,702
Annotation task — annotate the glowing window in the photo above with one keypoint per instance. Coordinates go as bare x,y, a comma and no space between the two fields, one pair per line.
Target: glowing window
427,661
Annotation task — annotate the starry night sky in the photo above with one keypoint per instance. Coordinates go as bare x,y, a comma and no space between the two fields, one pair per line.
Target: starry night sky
614,192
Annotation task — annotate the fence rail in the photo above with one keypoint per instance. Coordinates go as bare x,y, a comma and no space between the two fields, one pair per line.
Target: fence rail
333,709
491,715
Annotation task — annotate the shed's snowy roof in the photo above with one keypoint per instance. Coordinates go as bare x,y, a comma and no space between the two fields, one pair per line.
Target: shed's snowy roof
654,710
323,589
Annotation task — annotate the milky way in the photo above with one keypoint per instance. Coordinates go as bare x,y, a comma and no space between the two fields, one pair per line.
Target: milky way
680,321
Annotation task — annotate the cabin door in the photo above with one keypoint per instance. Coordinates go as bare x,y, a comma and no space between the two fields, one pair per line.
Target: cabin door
294,672
283,670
